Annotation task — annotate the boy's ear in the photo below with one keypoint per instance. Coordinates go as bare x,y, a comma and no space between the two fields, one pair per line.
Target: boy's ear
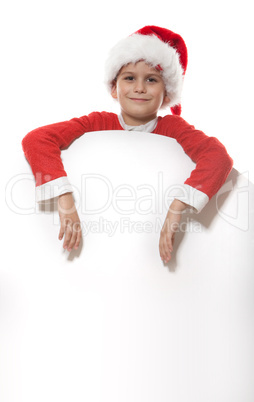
165,101
114,91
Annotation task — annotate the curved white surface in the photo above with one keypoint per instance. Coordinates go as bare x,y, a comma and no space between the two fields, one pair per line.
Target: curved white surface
111,322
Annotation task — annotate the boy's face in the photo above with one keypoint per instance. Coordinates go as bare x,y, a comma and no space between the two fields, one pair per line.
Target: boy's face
140,90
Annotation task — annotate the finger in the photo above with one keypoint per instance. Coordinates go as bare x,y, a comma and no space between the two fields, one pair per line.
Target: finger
61,232
162,247
72,241
167,256
169,250
64,223
76,236
79,236
166,248
168,242
68,236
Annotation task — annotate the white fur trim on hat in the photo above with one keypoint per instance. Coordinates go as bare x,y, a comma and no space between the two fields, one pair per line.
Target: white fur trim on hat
155,52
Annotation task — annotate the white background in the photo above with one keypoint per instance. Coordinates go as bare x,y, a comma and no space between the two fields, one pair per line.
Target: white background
52,65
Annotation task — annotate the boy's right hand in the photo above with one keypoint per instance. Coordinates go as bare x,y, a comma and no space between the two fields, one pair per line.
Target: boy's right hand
70,223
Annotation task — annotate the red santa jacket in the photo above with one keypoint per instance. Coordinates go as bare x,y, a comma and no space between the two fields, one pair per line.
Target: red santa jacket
42,148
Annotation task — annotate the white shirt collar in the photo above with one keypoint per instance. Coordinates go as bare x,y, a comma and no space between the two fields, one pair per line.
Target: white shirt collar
146,128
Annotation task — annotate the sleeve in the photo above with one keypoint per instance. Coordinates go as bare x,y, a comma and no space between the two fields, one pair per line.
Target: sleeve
42,148
213,164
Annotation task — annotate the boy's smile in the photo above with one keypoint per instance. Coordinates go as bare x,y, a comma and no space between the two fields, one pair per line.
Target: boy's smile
140,90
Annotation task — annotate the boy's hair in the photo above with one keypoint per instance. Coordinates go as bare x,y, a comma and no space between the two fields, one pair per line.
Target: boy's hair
160,48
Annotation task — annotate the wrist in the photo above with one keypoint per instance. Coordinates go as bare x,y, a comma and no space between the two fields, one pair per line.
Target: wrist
177,206
66,203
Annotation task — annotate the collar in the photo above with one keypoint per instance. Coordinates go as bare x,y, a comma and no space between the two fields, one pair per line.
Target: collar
146,128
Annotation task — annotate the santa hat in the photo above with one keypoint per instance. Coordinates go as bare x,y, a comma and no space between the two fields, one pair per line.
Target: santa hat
159,47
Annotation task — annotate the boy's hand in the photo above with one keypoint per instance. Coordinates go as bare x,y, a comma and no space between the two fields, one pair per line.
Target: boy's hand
170,226
70,223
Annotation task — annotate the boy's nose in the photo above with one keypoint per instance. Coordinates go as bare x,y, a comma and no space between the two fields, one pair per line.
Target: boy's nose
140,87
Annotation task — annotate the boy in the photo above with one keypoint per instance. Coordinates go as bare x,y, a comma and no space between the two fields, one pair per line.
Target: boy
144,73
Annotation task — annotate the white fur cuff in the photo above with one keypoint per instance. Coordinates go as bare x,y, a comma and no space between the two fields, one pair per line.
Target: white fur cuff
192,197
53,189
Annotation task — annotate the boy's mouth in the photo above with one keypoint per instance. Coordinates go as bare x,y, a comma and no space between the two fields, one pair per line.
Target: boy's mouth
139,99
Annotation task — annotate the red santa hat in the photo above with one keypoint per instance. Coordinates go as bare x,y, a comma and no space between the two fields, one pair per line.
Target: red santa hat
159,47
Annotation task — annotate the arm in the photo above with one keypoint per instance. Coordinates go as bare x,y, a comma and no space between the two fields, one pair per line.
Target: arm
213,164
42,148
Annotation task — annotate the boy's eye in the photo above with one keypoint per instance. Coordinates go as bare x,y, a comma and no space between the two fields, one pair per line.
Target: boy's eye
129,78
151,79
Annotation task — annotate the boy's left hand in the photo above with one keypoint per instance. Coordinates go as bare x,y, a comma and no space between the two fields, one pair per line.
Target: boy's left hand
169,229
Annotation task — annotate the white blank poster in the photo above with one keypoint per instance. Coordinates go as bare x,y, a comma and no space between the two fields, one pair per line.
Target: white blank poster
111,322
